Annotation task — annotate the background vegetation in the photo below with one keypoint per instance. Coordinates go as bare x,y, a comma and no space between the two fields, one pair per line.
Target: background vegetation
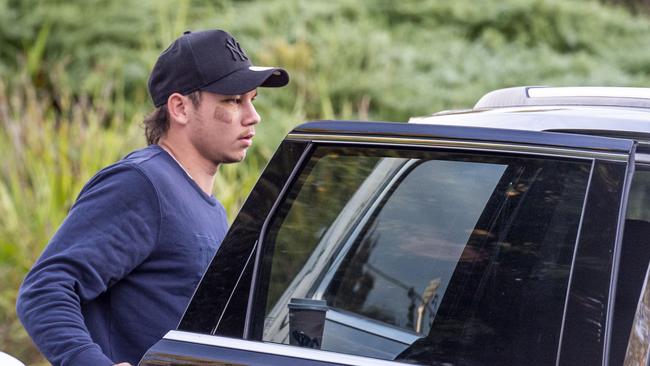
73,82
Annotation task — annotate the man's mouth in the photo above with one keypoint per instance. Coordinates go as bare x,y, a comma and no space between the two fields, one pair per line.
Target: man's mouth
247,138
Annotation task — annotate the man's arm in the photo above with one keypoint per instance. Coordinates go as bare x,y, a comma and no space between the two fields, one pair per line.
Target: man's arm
109,231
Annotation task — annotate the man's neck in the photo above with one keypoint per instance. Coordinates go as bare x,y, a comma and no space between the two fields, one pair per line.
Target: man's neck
201,172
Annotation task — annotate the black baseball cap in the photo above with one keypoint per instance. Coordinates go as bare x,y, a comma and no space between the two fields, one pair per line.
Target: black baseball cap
209,60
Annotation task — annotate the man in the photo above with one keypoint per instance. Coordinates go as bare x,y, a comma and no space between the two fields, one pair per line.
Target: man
122,267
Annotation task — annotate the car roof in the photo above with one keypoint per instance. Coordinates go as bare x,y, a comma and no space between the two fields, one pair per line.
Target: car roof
613,112
547,118
417,133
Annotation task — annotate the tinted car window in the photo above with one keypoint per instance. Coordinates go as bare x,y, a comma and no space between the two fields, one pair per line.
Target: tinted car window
429,257
639,338
638,207
634,258
326,188
406,256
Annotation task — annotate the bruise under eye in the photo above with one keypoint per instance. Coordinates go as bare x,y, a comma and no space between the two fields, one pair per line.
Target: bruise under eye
222,113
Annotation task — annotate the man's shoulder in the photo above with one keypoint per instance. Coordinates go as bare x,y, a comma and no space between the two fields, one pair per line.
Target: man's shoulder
152,162
130,173
149,154
146,170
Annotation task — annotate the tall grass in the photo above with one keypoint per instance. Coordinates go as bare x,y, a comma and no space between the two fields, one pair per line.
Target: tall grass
47,157
73,84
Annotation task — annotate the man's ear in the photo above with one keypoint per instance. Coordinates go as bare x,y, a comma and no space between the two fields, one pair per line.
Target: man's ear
178,107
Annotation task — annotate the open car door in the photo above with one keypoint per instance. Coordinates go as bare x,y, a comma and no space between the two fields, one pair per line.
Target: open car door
387,243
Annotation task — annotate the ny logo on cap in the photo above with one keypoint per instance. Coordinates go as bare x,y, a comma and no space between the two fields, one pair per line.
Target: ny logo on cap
235,50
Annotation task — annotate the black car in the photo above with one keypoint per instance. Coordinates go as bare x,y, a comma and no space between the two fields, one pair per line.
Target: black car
514,233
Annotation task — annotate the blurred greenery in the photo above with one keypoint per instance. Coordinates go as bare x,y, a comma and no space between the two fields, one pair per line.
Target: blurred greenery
73,82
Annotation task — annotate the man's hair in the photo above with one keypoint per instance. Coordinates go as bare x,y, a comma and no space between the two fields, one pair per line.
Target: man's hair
156,123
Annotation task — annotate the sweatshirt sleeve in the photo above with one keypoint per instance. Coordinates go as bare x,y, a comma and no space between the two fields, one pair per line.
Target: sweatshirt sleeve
109,231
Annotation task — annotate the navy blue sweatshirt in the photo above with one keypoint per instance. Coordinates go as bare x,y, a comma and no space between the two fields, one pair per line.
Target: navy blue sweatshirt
119,272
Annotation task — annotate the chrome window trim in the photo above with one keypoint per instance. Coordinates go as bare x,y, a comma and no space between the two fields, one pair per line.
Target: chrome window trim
372,326
642,158
275,349
467,145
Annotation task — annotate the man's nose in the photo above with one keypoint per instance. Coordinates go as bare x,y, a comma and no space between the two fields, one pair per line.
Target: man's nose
251,116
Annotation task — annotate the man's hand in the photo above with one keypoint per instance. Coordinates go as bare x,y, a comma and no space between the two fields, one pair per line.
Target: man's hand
123,364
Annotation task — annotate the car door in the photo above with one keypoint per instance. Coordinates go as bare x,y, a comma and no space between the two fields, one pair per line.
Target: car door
380,243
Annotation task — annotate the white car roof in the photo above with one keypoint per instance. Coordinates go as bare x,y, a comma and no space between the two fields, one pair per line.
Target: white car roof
593,110
547,118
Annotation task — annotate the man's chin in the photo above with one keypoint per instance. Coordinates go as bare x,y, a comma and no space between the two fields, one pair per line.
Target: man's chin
233,159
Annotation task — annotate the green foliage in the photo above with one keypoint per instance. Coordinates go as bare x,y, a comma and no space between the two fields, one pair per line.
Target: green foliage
73,83
636,6
47,161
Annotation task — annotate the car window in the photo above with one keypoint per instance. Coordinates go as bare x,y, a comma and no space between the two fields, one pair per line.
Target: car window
638,343
634,259
423,231
638,207
423,256
326,188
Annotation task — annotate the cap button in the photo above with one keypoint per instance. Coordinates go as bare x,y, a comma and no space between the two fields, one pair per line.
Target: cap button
187,32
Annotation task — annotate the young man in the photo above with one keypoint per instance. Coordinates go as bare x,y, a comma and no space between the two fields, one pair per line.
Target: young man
122,267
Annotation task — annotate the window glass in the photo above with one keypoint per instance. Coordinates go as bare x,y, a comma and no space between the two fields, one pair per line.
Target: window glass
325,189
634,259
424,231
638,342
427,257
638,207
